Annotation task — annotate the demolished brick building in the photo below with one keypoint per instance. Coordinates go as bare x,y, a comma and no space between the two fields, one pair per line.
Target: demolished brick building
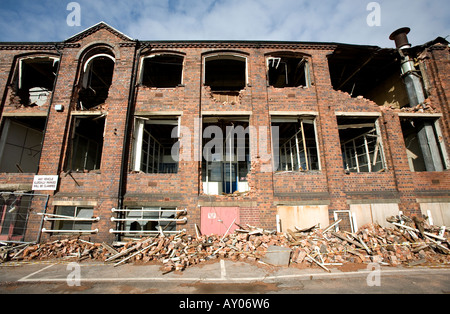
330,131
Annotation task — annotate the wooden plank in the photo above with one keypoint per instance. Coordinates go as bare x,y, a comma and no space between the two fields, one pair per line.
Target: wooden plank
318,263
348,240
425,233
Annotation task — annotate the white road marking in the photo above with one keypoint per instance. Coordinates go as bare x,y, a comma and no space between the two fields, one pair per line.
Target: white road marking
223,271
223,276
36,272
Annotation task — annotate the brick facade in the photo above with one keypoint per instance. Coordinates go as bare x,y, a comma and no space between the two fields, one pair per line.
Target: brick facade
115,185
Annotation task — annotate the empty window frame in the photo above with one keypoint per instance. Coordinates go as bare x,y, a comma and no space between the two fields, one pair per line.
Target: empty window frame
156,147
297,144
72,219
226,155
361,144
34,79
225,73
96,79
14,209
424,145
162,71
287,71
146,220
21,144
86,143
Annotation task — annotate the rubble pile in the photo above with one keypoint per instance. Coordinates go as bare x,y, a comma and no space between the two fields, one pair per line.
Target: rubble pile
411,241
425,107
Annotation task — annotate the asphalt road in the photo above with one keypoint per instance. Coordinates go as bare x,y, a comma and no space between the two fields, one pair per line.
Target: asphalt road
219,277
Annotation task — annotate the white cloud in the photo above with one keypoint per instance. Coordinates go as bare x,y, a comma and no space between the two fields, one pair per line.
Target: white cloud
290,20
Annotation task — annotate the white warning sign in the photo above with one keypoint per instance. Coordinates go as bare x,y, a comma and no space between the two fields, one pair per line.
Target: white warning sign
45,183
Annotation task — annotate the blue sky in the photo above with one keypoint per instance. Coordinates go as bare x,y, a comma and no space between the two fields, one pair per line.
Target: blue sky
342,21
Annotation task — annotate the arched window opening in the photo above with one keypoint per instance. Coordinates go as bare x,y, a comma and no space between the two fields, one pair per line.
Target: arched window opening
96,79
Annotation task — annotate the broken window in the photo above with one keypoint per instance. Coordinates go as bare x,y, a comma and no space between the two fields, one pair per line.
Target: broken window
424,146
162,71
226,74
297,144
71,219
35,79
21,144
87,143
287,71
96,79
361,145
134,222
226,156
14,209
156,146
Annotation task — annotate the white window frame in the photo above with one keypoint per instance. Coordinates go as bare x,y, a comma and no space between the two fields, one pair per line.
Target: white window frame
79,216
140,123
163,215
294,117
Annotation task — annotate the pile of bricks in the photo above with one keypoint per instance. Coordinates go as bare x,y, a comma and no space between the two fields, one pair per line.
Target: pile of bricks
410,242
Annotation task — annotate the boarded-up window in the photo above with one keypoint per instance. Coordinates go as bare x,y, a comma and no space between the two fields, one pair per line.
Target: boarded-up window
303,216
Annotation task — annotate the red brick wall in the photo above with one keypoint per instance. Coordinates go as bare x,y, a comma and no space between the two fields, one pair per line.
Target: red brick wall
329,185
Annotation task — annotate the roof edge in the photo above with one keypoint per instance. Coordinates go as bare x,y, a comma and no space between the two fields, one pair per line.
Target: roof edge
92,29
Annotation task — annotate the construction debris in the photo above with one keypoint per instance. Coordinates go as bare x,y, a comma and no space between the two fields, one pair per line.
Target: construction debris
409,242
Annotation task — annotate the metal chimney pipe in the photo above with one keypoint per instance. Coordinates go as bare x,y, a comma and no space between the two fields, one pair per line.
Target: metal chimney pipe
400,37
414,89
412,80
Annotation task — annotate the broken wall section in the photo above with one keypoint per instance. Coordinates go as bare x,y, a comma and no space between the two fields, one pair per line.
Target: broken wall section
225,80
31,84
369,72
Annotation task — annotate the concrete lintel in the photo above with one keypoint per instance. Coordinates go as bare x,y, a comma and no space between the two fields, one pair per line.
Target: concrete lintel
146,113
26,114
74,203
227,113
419,115
433,200
135,203
374,201
88,113
293,113
357,114
302,203
230,203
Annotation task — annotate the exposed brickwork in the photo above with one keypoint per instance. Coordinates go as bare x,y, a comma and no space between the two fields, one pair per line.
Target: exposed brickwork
329,185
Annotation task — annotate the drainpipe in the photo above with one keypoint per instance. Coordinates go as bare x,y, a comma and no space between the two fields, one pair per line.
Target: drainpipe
414,88
130,112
